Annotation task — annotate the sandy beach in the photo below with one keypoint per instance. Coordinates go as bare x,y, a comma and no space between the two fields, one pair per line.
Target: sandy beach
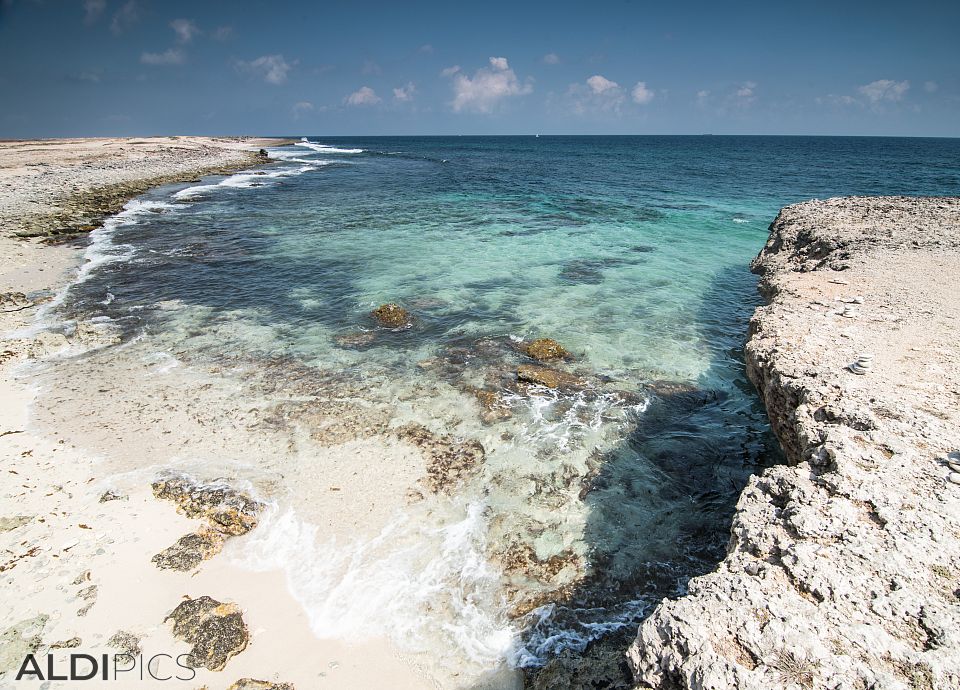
80,523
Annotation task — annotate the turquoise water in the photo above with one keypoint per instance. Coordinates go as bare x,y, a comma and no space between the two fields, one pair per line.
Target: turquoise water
631,251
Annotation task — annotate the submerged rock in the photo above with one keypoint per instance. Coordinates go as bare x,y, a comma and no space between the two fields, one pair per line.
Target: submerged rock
216,630
19,640
448,460
551,378
190,550
126,643
358,340
391,316
251,684
493,408
545,350
226,510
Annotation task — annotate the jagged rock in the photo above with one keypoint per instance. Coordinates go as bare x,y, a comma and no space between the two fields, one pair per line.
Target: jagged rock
391,316
226,510
448,460
216,631
545,350
190,550
551,378
841,569
251,684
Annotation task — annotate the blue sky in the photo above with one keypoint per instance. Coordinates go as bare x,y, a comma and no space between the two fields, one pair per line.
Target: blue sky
102,67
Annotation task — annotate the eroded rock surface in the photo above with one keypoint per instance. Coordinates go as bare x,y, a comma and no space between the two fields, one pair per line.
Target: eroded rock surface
843,567
391,316
216,630
545,350
227,510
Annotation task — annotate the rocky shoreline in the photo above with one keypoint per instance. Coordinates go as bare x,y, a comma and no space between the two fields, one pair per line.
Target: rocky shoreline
843,566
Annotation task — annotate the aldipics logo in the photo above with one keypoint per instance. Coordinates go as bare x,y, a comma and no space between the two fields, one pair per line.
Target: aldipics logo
79,666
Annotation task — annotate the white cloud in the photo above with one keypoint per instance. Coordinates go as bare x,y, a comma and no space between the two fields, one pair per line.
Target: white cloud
601,85
271,68
449,71
185,29
930,86
746,90
703,96
641,94
426,49
487,88
884,90
301,108
405,93
174,56
551,59
125,17
93,9
363,96
222,33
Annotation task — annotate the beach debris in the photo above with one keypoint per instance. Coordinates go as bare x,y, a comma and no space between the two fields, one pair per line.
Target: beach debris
848,312
251,684
449,460
839,281
20,639
391,316
215,629
225,509
190,550
546,349
111,495
551,378
89,595
862,365
126,643
72,643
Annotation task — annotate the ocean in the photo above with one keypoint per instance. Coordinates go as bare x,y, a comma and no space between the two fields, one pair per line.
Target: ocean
552,517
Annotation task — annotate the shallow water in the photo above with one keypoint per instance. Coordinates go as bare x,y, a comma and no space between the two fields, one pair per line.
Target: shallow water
588,506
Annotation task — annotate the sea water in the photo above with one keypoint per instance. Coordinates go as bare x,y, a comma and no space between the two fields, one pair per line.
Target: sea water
589,504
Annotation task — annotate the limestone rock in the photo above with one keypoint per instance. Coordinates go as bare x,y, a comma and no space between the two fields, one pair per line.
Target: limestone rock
251,684
216,631
190,550
842,565
551,378
226,510
391,316
449,460
545,350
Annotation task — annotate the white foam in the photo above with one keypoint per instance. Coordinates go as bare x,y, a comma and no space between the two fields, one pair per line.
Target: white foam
427,587
324,148
247,180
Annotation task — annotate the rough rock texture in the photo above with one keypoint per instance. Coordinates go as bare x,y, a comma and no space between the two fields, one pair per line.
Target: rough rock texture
251,684
843,567
190,550
216,631
545,350
226,510
391,316
551,378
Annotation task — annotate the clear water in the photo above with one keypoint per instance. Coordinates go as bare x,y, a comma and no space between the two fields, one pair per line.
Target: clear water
632,251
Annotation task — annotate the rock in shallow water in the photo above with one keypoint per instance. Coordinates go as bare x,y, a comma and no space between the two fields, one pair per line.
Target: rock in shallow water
391,316
190,550
226,510
546,349
216,631
551,378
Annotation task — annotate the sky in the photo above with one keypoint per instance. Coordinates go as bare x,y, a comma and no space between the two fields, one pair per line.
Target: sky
140,67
